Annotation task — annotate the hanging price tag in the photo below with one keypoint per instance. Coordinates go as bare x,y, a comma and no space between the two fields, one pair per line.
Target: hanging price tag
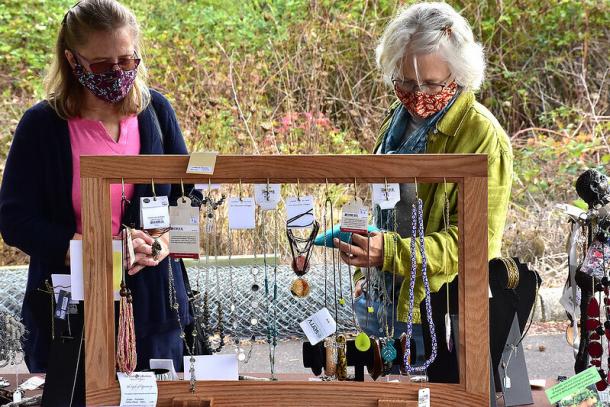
241,213
299,212
319,326
267,196
184,232
423,397
386,196
354,217
154,212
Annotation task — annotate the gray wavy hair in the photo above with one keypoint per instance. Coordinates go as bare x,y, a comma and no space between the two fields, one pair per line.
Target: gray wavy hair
432,27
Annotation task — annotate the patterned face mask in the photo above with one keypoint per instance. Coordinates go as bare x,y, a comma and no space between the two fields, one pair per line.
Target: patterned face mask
423,104
111,86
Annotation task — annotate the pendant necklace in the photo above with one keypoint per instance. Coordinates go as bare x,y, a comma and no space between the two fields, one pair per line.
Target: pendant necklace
446,225
330,343
271,292
126,356
211,228
300,250
417,220
362,341
388,350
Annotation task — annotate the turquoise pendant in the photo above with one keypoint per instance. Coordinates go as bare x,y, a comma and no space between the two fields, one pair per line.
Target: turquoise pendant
388,352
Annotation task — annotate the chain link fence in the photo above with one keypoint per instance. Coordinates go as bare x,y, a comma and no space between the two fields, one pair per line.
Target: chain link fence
249,305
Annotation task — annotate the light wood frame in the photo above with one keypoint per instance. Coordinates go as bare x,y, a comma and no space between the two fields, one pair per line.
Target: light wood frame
469,171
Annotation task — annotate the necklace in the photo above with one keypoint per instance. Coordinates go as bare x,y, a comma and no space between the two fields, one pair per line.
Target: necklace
271,295
388,350
446,225
417,218
300,250
126,357
330,343
362,341
211,228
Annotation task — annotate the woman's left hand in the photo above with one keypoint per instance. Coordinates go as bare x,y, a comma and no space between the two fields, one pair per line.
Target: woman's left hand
358,250
142,244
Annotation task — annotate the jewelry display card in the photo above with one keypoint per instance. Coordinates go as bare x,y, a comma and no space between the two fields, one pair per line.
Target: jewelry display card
299,212
138,389
319,326
77,285
267,196
154,212
184,232
215,367
513,371
242,213
386,196
354,217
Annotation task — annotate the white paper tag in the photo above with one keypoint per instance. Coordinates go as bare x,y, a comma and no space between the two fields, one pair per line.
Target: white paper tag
319,326
385,195
354,217
423,397
75,279
507,383
213,367
267,198
241,213
205,187
16,396
299,212
138,389
32,383
184,232
154,212
164,364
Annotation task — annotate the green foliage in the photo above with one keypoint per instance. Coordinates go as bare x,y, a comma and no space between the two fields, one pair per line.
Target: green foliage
304,76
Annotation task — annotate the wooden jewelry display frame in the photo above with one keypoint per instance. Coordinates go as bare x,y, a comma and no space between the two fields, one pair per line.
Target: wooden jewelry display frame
469,171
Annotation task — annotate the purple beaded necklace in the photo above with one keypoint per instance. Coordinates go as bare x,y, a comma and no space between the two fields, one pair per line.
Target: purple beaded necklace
417,218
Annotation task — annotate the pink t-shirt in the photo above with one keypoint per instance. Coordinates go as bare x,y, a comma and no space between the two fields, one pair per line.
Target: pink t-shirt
90,137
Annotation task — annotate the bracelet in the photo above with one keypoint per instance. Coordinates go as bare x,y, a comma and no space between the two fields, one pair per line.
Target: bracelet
512,272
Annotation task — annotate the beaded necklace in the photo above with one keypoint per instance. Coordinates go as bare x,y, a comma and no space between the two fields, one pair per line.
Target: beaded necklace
446,224
271,293
417,219
126,356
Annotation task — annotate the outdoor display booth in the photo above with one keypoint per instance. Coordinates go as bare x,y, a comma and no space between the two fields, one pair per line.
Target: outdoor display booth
468,171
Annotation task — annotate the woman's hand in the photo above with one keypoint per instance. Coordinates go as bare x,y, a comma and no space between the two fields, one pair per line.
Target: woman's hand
356,253
142,247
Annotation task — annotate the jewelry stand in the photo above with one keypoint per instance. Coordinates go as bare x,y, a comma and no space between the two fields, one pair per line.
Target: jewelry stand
469,171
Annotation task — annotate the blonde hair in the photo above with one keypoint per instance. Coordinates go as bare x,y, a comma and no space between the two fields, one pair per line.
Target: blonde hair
425,28
63,91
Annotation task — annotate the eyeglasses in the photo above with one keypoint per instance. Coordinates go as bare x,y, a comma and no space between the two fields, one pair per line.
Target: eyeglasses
126,64
426,87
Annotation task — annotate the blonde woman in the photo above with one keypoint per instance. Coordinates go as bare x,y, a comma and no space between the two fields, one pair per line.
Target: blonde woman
97,103
431,61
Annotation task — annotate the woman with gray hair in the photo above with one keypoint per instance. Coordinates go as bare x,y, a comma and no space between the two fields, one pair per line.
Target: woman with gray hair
429,56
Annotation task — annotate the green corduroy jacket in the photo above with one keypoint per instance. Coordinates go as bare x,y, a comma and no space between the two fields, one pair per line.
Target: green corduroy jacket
467,127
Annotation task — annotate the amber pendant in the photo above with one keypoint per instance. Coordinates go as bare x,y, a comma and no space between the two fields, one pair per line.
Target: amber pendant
300,288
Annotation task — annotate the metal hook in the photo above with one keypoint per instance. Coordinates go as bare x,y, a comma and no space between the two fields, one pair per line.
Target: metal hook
182,189
416,195
122,188
209,187
326,188
152,183
298,190
355,188
240,191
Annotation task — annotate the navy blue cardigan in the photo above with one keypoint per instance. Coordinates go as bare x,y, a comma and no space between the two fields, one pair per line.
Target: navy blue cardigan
36,215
